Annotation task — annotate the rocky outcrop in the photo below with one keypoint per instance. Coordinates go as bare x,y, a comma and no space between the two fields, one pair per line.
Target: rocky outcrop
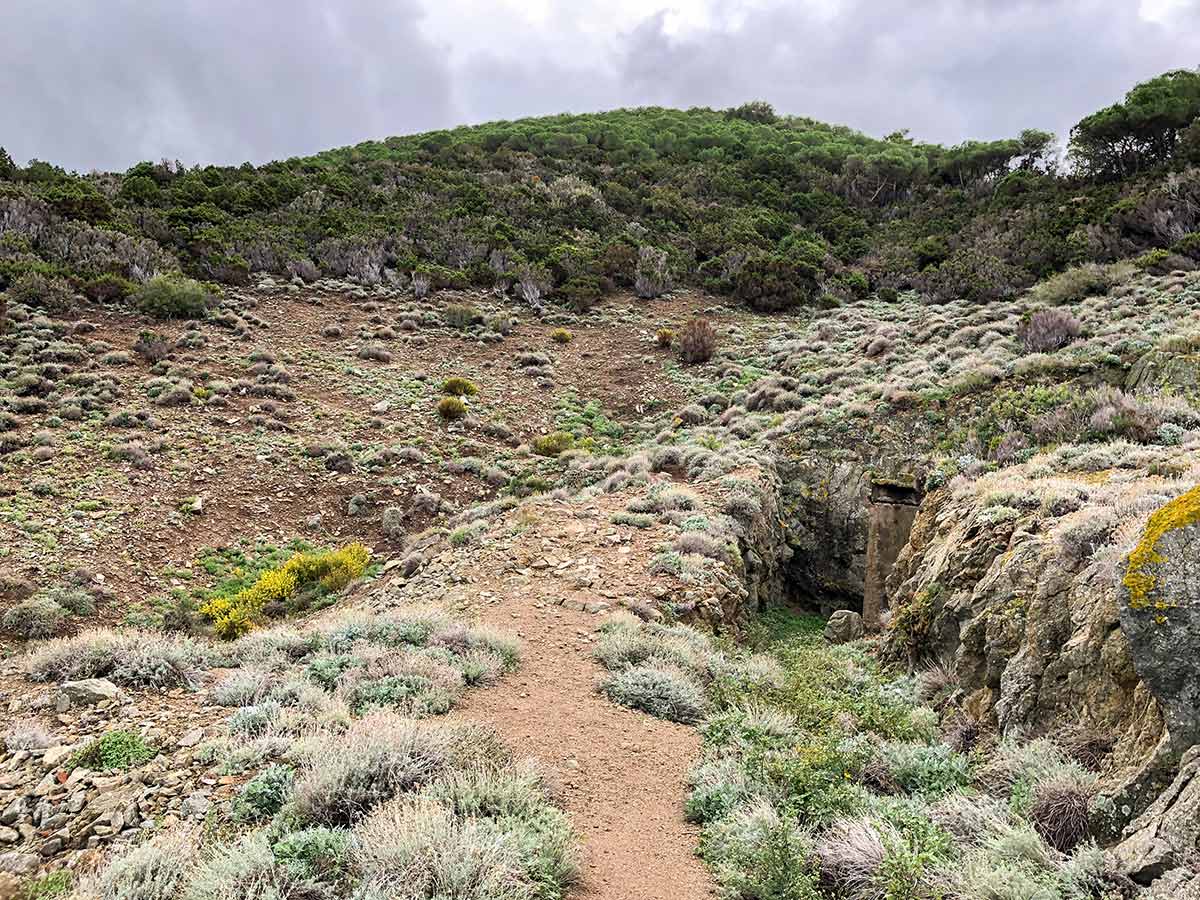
891,515
1166,837
1033,636
824,503
1178,373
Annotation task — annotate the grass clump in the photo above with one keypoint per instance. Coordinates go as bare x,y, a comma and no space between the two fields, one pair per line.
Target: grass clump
299,584
114,751
697,341
457,386
46,887
561,336
460,316
451,409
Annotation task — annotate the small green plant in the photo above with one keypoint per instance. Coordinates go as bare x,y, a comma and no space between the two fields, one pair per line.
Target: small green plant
114,751
48,886
664,337
264,795
315,854
553,444
637,520
561,336
451,408
457,386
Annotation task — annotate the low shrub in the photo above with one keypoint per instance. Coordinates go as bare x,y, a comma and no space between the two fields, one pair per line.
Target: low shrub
664,338
172,297
155,870
1081,282
26,734
74,600
319,855
114,751
299,582
561,336
1049,329
254,720
36,617
41,292
380,757
419,843
128,658
658,690
929,770
553,444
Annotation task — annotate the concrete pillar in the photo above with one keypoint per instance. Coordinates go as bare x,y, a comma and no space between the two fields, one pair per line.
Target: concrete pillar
890,518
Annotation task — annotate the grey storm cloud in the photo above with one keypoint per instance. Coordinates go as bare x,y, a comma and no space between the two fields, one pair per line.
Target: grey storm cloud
91,84
946,69
105,83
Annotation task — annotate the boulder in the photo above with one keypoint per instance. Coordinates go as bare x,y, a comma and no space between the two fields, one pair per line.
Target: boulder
1179,884
1178,373
16,863
1167,834
1160,613
87,692
843,626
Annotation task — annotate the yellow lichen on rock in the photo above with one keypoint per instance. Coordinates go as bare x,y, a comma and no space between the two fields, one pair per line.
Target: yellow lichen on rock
1139,579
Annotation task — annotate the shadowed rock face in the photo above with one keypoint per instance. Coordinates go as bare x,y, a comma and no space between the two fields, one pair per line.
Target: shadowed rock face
1160,614
892,513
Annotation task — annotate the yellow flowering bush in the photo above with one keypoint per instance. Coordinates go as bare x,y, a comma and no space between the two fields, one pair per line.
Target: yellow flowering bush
320,573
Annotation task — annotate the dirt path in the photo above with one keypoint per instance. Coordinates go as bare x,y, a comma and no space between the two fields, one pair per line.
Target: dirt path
621,772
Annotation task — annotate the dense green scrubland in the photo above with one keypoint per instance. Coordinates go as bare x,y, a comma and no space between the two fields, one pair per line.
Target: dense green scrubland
775,210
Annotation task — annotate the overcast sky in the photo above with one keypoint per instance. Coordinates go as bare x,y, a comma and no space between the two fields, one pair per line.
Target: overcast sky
105,83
